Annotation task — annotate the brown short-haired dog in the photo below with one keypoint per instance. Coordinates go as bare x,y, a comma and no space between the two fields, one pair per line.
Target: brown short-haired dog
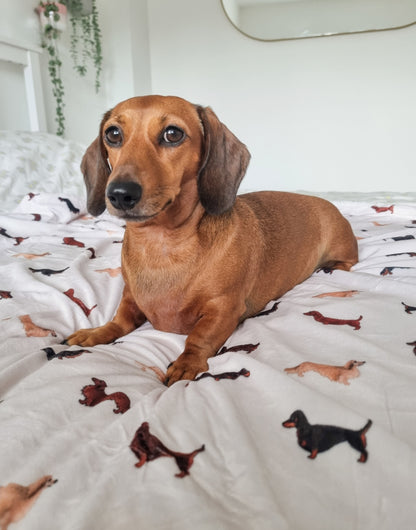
196,259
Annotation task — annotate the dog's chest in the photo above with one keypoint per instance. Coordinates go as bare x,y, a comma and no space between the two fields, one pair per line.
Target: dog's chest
160,278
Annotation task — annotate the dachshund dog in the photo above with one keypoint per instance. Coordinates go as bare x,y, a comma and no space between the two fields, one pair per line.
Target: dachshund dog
196,259
319,438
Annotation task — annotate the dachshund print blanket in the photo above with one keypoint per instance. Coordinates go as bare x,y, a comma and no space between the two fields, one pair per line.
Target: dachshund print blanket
306,418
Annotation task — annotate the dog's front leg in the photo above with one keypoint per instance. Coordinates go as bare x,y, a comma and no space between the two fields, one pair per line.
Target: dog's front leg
205,339
127,319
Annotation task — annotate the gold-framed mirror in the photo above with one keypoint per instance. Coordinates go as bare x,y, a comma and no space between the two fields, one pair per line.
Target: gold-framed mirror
275,20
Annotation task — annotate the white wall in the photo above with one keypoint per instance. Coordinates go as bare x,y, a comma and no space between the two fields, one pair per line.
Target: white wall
126,68
322,114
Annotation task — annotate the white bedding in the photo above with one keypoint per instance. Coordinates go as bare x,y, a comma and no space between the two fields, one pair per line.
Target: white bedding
59,271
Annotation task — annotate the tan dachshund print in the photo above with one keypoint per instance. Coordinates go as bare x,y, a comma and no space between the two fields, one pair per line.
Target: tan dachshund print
32,330
337,294
339,374
17,500
111,272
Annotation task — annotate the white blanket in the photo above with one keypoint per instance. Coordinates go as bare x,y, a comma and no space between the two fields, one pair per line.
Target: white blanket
60,270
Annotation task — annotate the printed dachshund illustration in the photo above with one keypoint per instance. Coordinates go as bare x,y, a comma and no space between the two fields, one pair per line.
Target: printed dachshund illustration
18,239
409,308
32,330
71,207
196,258
48,272
383,209
70,293
319,438
337,294
95,394
17,500
148,447
225,375
63,354
72,242
340,374
412,344
5,294
319,317
248,348
30,256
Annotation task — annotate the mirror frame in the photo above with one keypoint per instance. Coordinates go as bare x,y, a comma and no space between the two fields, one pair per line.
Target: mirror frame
329,34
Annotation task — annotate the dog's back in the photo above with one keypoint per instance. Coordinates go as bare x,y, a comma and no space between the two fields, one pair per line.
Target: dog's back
284,225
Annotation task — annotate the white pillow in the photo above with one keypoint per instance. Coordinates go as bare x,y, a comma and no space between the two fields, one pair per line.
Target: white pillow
38,162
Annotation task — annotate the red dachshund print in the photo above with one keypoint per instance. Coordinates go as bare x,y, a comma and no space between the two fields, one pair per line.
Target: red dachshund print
95,394
382,209
248,348
340,374
17,500
334,321
93,256
73,242
148,447
319,438
32,330
5,294
268,311
70,294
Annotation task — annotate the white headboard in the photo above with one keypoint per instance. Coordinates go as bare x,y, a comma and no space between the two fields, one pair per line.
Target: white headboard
25,57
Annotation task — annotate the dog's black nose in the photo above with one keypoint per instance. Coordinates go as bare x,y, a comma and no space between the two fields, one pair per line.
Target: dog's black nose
124,195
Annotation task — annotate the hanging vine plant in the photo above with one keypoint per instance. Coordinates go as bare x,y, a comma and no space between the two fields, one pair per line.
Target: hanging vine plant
51,11
85,37
85,44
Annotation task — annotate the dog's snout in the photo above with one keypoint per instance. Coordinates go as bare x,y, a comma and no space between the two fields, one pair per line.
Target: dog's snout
124,195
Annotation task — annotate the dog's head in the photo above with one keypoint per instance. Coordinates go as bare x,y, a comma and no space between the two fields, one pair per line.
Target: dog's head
151,149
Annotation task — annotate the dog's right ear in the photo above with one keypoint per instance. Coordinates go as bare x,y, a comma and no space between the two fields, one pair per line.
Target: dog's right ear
95,168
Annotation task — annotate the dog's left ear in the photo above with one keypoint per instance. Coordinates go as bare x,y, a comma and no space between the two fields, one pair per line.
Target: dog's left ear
224,163
95,168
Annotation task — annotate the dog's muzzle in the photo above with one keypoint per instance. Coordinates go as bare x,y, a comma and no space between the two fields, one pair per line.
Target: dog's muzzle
124,195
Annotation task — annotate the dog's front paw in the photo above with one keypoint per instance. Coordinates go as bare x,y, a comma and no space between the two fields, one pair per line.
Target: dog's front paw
187,366
83,337
93,336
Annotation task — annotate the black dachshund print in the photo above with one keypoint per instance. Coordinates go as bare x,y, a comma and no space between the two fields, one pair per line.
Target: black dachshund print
319,438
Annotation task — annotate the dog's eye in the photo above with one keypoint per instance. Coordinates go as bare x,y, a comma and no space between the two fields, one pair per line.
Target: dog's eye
172,135
113,136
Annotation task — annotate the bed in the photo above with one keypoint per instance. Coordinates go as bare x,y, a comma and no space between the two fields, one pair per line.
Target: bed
91,423
304,420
